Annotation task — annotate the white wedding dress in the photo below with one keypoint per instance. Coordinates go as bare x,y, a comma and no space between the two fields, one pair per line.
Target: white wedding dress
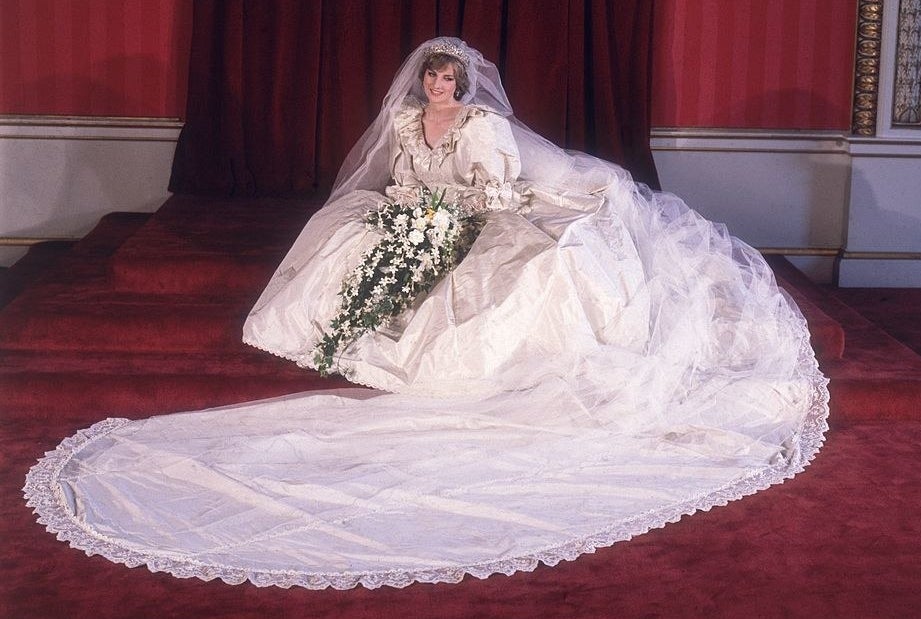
550,276
602,362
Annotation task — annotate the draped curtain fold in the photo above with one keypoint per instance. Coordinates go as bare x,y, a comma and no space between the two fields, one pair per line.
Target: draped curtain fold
279,91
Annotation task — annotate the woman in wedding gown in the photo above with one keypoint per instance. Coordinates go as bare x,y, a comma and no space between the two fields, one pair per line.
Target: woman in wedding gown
602,362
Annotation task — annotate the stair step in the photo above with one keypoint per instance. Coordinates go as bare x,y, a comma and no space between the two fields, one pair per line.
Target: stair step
79,395
110,233
896,311
185,327
31,267
870,399
85,259
246,361
877,378
224,245
146,318
193,274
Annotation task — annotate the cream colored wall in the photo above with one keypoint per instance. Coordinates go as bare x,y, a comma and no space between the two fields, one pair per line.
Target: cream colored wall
58,176
814,193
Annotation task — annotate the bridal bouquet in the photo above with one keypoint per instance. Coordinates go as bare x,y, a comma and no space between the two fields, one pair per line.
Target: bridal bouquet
421,242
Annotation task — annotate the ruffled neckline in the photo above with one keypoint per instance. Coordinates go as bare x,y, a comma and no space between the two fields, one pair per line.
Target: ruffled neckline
409,126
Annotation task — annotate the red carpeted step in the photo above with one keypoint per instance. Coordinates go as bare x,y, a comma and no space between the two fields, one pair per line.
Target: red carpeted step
38,260
47,260
895,310
110,233
122,325
77,395
86,258
196,245
193,274
876,377
246,361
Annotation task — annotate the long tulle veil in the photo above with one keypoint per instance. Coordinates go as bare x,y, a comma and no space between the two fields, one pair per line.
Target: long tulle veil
367,166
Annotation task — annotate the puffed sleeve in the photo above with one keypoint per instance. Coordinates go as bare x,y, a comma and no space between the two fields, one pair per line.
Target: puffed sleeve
487,159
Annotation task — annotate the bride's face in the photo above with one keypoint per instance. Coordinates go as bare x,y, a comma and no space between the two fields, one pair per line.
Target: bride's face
440,84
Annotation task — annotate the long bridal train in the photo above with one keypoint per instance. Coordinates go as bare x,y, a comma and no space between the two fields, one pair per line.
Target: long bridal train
720,396
602,362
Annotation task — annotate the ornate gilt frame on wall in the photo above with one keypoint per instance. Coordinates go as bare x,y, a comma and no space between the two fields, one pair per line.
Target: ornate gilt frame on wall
900,74
866,73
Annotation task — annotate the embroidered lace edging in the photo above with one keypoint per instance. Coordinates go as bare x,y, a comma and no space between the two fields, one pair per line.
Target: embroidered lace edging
408,123
44,495
295,359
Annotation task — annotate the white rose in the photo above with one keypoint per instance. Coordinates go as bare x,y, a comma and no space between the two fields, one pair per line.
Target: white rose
416,237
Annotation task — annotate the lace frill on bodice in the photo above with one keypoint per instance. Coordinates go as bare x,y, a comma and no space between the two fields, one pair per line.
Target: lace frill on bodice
477,183
411,132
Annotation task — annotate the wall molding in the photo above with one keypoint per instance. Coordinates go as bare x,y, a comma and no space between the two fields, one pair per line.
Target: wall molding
97,128
782,141
27,241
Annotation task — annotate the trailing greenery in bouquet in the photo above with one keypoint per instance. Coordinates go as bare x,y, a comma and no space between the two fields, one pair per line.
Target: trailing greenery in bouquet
420,242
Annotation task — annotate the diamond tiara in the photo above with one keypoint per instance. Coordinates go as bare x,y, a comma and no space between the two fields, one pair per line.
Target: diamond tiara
450,50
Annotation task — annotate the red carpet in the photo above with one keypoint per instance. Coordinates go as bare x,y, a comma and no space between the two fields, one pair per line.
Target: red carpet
143,317
893,310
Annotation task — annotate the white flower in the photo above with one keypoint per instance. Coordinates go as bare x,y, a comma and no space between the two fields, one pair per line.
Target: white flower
416,246
416,237
441,220
435,236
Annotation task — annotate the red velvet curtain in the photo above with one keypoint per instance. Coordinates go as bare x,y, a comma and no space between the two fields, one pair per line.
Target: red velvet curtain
279,91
